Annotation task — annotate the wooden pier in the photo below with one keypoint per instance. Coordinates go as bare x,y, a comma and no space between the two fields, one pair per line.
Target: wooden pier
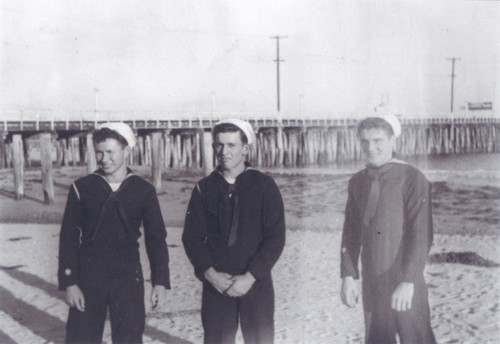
185,143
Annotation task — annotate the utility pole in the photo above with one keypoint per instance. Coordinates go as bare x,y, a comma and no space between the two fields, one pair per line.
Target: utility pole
453,59
277,38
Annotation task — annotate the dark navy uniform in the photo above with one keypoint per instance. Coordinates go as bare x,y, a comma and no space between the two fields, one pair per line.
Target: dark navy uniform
99,252
394,247
255,206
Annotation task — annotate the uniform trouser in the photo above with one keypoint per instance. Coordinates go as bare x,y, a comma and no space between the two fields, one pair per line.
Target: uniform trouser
413,326
123,295
254,311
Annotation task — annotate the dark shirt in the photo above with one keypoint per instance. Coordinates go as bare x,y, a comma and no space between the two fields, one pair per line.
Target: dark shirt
104,226
260,236
400,234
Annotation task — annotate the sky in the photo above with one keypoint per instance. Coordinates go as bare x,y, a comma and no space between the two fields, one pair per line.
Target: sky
338,57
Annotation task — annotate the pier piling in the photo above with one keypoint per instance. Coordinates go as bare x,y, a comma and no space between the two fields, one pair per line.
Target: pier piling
182,144
47,173
18,162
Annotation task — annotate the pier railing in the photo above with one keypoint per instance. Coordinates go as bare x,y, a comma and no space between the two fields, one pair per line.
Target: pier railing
81,121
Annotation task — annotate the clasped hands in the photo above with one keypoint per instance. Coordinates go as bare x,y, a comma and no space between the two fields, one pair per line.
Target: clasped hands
227,284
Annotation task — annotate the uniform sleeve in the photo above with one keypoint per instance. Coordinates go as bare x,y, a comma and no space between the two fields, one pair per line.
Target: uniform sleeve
194,235
69,241
155,238
351,239
274,231
418,234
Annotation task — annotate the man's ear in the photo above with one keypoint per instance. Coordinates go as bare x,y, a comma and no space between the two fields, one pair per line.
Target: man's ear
127,150
393,142
246,149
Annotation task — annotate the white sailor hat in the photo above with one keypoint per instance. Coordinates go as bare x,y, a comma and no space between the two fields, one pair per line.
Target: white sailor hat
243,125
122,129
393,122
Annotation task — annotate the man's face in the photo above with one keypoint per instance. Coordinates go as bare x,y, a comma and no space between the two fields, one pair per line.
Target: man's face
111,155
230,150
377,146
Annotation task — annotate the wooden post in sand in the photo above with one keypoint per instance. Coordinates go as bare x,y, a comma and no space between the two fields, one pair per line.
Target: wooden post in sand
82,150
91,160
145,142
18,162
47,175
156,160
178,150
141,148
197,149
273,148
27,150
291,156
3,152
167,148
175,149
72,146
258,148
59,153
187,152
207,152
279,144
64,147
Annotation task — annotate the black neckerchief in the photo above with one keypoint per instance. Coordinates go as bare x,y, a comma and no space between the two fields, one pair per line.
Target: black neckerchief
375,173
112,202
231,198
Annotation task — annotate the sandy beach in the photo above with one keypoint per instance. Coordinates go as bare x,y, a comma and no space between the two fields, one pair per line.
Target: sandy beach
462,274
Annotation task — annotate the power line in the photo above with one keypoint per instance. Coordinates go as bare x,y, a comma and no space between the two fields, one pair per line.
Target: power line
277,38
453,59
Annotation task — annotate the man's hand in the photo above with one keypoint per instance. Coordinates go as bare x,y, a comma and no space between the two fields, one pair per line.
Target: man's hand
158,296
75,298
241,285
402,297
221,281
349,292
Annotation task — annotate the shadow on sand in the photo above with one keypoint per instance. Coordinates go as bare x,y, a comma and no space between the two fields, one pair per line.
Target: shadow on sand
44,324
11,194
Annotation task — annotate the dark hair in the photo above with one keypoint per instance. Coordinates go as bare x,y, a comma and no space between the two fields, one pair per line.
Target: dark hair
375,123
229,128
103,134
